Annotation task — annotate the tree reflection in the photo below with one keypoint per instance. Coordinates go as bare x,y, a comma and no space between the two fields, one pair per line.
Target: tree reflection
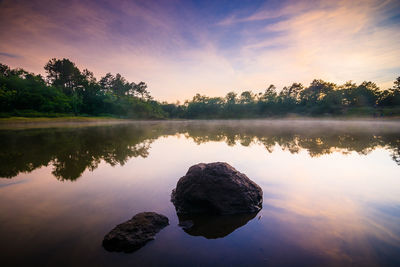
71,151
317,140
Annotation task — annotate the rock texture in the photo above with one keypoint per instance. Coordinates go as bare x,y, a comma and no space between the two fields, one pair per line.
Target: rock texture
135,233
216,188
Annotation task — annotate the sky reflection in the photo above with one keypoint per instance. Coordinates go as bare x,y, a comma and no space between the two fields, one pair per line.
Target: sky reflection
331,209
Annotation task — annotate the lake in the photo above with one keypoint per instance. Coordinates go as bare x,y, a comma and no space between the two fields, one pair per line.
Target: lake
331,192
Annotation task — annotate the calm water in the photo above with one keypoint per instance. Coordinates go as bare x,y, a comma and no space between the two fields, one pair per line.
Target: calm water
331,193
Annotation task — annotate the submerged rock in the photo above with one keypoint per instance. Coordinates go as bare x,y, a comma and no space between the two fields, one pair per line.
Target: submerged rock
213,226
135,233
216,188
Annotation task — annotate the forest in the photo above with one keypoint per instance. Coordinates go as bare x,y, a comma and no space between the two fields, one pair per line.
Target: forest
68,91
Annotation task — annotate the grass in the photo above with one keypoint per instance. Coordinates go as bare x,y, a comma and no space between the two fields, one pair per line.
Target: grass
56,119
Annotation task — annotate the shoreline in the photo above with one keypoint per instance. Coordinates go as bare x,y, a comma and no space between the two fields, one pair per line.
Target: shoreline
38,122
45,122
78,119
27,120
56,119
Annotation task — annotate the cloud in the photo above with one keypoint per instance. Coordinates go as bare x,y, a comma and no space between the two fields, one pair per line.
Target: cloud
180,49
267,12
338,42
4,54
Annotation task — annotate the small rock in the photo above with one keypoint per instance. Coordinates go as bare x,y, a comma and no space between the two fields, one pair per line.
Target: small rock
135,233
216,188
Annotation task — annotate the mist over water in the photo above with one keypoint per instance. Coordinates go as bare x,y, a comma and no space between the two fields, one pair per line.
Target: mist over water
331,192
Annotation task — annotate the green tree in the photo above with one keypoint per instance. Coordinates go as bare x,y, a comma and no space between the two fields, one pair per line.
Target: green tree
246,97
391,97
231,98
63,74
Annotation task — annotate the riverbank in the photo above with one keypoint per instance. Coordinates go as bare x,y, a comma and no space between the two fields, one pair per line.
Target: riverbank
39,122
63,122
57,119
81,119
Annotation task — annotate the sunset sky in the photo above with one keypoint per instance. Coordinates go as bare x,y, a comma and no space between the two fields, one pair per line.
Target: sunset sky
180,48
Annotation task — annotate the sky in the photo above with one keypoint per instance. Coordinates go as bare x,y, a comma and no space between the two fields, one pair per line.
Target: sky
180,48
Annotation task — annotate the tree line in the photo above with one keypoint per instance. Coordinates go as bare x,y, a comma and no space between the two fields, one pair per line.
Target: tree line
319,98
68,90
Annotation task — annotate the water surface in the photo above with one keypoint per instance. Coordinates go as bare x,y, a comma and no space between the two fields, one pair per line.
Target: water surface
331,192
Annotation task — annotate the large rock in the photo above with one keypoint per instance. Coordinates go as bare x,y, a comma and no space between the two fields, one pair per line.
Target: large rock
135,233
216,188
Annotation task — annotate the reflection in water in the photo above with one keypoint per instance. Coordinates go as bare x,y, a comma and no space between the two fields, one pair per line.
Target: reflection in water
213,226
71,151
331,210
